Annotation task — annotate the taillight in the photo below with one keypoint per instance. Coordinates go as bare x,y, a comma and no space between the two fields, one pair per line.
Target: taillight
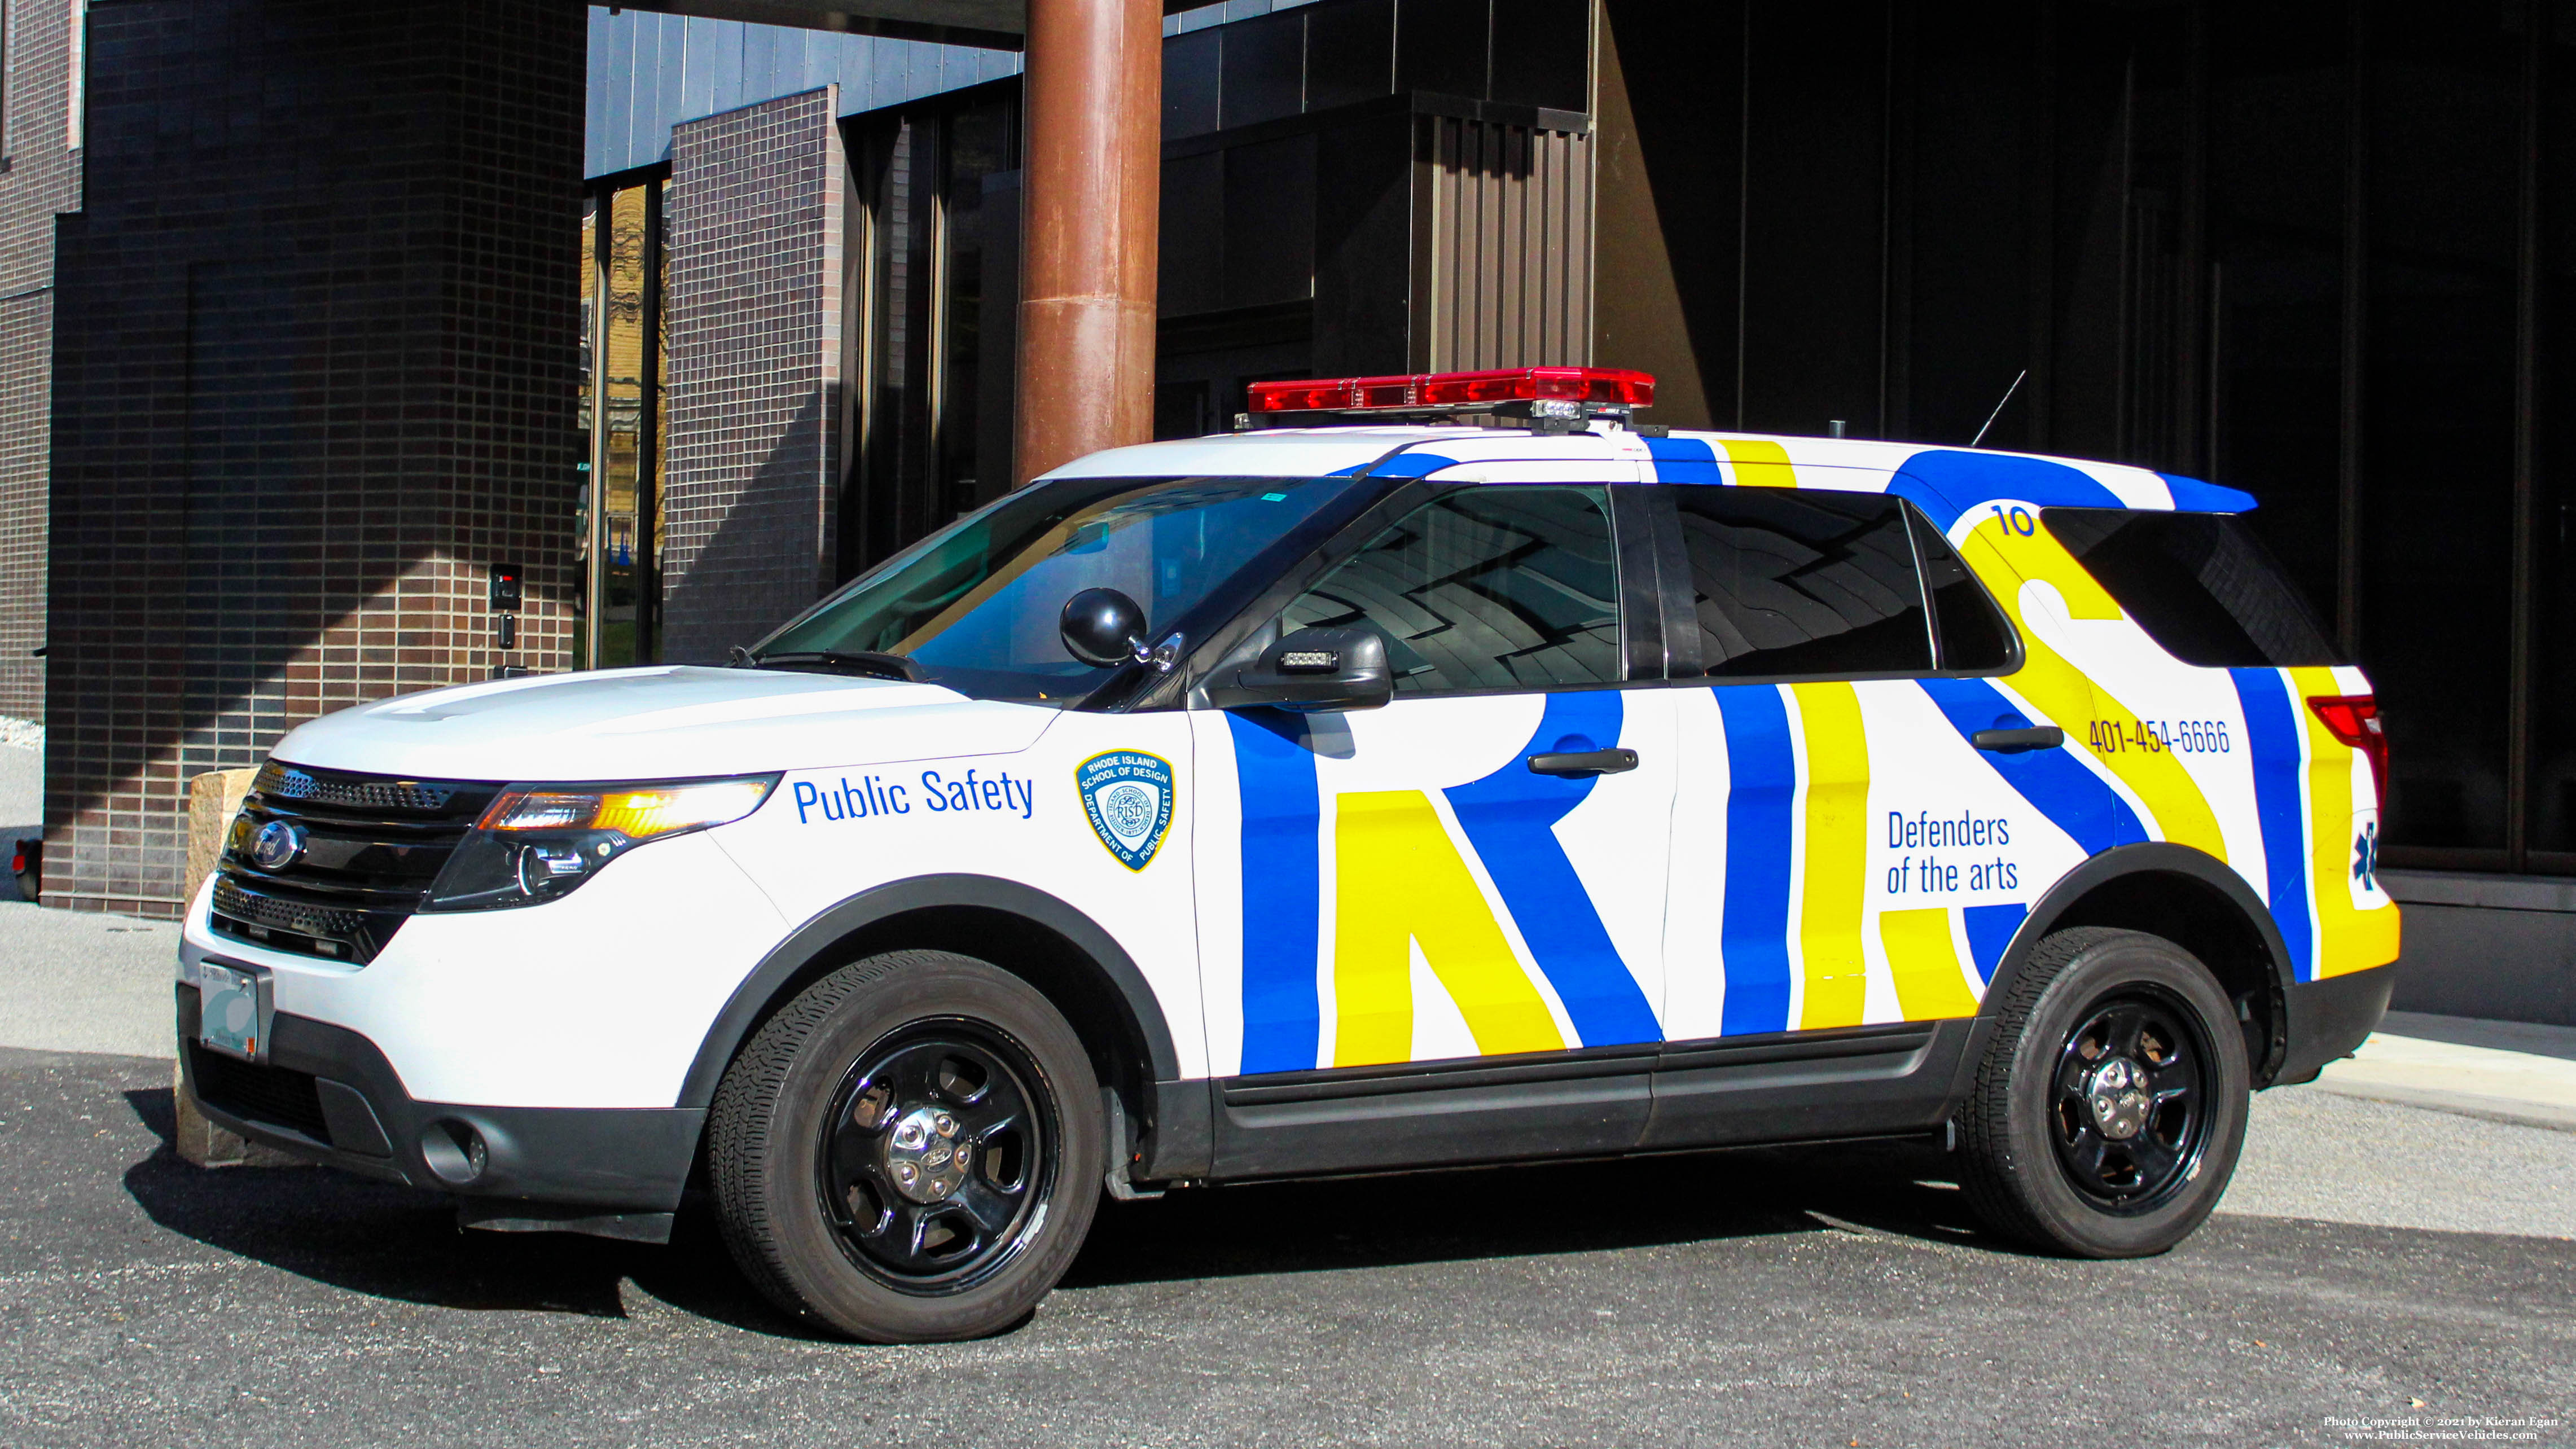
2354,719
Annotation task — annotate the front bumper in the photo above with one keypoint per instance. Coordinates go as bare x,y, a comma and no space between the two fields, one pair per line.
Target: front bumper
600,1000
2328,1019
327,1094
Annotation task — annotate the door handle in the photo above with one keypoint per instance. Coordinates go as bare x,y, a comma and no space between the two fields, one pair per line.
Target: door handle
1586,762
2014,742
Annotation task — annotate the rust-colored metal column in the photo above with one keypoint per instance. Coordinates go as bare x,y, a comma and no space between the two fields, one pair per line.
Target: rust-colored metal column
1092,182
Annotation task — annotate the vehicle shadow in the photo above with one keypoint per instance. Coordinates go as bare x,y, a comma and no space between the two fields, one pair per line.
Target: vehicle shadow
396,1242
1523,1211
401,1243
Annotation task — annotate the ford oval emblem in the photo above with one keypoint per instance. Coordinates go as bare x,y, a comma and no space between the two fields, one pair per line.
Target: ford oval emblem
277,845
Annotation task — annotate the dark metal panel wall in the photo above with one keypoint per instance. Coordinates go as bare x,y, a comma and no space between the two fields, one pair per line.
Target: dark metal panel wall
1664,205
650,72
1502,271
2327,263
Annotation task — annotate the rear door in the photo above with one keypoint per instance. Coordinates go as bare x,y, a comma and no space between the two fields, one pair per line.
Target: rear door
1846,863
1419,946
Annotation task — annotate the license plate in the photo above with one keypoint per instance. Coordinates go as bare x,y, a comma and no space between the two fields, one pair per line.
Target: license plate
229,1014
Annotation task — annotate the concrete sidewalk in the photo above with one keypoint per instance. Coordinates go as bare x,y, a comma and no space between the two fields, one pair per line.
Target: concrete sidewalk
74,981
22,794
82,981
2502,1071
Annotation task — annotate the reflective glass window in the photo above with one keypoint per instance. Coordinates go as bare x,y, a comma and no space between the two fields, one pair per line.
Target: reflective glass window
1484,589
2200,584
978,606
1789,582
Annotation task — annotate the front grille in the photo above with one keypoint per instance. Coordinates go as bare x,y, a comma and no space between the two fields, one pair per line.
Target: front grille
231,900
372,846
288,782
274,1096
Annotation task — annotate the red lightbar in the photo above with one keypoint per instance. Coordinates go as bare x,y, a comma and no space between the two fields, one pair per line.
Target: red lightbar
1613,386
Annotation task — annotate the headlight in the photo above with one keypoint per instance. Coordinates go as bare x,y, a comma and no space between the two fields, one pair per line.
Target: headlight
537,842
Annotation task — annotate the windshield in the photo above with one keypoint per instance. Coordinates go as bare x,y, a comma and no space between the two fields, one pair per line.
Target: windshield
976,607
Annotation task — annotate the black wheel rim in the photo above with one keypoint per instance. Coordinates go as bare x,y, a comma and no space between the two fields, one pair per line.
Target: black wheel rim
2130,1104
939,1156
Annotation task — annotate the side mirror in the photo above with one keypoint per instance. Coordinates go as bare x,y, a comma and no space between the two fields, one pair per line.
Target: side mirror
1102,627
1312,671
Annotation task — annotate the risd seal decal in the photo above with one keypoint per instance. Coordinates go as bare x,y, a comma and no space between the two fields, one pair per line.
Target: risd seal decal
1127,795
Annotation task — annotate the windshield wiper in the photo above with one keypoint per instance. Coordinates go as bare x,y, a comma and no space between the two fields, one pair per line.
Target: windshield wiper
872,662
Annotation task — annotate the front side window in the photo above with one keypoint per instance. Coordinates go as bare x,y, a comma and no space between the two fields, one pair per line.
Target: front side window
1487,588
978,606
1795,582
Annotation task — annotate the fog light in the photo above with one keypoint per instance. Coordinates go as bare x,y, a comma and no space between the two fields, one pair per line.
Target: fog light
454,1151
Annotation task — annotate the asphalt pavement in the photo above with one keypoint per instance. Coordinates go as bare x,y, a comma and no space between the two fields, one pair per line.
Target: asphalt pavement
2374,1261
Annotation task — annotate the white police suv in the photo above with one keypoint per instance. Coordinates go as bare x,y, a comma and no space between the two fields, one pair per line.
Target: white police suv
1360,794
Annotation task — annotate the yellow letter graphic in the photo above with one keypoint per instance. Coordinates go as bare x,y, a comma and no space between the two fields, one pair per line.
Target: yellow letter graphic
1925,965
1399,879
2347,939
1829,958
2069,698
1759,463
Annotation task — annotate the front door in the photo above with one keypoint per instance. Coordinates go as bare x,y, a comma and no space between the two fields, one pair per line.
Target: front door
1471,878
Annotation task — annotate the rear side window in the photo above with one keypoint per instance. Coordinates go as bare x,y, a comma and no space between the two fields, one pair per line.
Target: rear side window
1974,637
1792,582
2200,584
1484,588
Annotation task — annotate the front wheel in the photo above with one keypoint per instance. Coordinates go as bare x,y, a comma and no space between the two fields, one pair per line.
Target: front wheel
2111,1104
908,1151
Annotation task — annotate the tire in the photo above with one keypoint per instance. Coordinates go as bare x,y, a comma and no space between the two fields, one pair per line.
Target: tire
2068,1150
909,1151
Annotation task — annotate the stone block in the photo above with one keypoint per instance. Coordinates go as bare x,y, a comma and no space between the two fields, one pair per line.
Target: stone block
204,1144
214,798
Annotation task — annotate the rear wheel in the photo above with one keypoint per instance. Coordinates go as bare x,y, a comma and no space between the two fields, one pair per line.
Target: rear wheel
909,1151
2110,1107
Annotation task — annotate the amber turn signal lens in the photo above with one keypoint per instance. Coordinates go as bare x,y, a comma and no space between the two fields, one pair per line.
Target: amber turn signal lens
639,812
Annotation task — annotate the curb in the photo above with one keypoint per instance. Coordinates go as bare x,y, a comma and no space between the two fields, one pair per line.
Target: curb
2511,1111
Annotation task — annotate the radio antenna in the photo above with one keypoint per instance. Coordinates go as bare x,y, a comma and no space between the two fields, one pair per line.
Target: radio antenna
1999,408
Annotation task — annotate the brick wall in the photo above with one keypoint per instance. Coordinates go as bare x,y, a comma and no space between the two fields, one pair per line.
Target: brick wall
317,331
41,179
754,281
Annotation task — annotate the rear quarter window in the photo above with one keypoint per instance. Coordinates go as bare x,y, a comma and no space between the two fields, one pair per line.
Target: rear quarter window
2200,584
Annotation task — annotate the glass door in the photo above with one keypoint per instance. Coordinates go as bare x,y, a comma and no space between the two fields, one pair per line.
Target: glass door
621,426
